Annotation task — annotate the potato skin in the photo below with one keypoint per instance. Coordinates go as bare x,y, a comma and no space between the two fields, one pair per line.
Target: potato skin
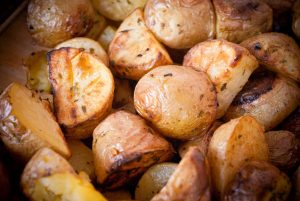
51,22
258,180
179,101
238,20
124,147
276,52
180,24
190,180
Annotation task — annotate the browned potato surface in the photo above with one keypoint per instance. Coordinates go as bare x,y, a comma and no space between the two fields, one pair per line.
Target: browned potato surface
134,50
124,147
267,97
51,22
83,90
190,181
26,124
292,123
284,149
277,52
228,66
179,101
234,143
180,24
238,20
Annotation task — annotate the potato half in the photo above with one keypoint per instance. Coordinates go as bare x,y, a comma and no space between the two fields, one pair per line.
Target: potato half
134,50
267,97
26,124
190,180
180,24
124,147
51,22
83,90
234,143
258,180
276,52
179,101
238,20
228,66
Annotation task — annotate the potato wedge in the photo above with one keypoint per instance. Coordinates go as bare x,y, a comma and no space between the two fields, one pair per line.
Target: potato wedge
154,180
83,90
82,158
258,180
238,20
267,97
179,101
26,124
97,28
228,65
234,143
181,24
88,45
117,10
134,50
107,36
190,181
292,123
276,52
124,147
45,162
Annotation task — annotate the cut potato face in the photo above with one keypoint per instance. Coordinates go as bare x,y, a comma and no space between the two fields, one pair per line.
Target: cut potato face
276,52
180,24
88,45
154,180
83,90
117,10
234,143
27,125
190,180
134,50
107,36
44,163
124,147
228,66
179,101
238,20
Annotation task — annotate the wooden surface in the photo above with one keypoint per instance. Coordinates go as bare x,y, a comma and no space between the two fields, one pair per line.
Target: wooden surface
16,45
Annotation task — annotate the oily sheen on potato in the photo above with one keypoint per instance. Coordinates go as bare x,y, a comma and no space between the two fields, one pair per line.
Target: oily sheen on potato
83,90
179,101
27,124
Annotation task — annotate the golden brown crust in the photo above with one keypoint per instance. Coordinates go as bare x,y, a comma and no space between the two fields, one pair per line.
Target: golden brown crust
124,147
238,20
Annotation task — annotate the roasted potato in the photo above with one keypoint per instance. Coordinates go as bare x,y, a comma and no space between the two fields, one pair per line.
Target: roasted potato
228,65
134,50
51,22
83,90
238,20
26,124
124,147
154,180
97,28
82,158
201,142
296,18
292,123
234,143
88,45
107,36
179,101
190,180
117,10
37,72
276,52
267,97
180,24
123,96
284,149
295,195
258,180
118,195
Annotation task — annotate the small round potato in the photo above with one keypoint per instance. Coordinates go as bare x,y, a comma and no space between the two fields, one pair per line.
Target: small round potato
53,21
179,101
180,24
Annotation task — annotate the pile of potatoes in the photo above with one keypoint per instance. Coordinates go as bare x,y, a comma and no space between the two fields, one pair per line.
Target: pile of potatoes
161,100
